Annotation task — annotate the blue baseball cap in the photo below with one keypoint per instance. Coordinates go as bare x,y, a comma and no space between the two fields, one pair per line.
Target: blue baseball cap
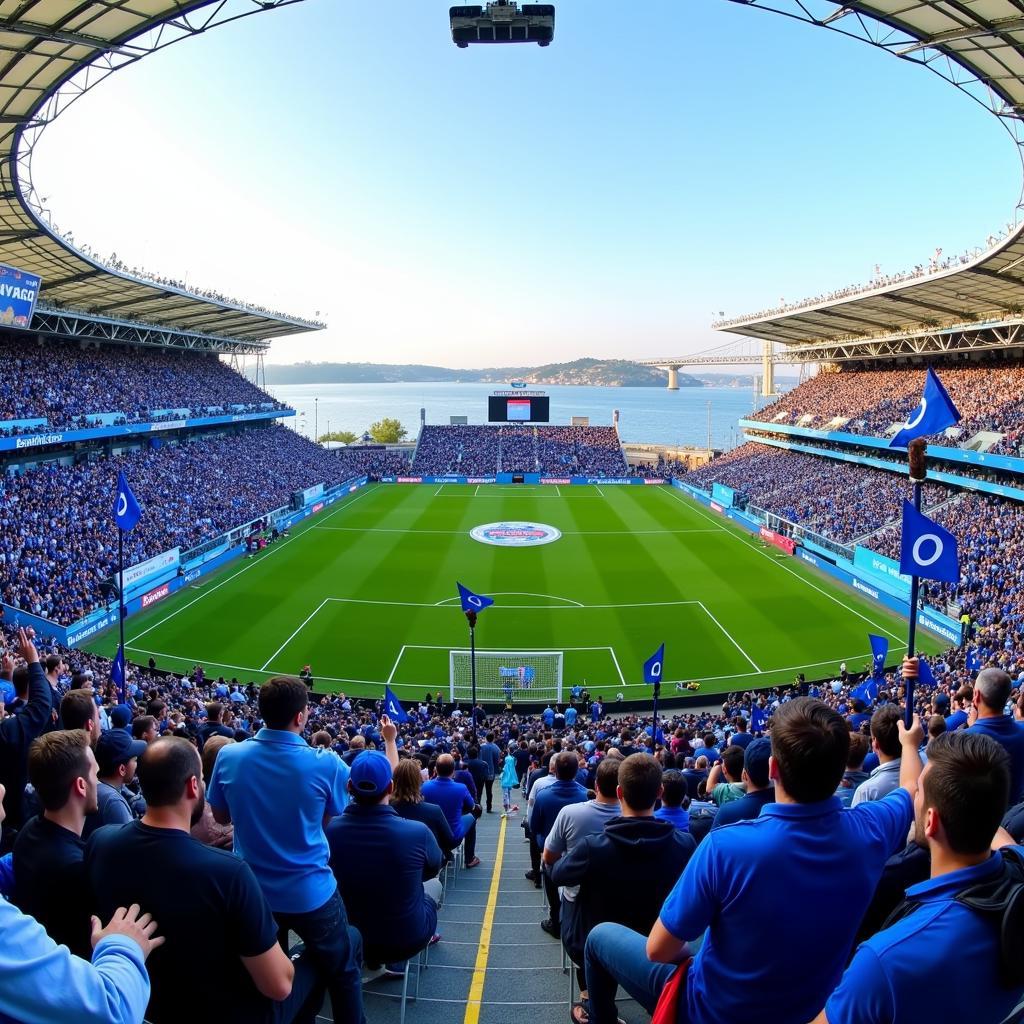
121,716
371,773
116,746
755,760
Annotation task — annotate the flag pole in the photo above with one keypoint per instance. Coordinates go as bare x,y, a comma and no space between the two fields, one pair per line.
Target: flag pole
120,609
654,722
918,474
471,619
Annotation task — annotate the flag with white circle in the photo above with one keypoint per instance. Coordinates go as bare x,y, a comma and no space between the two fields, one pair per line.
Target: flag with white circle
926,549
126,509
654,666
935,412
473,602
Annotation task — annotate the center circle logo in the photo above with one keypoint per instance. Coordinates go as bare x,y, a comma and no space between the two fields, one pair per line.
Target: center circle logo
515,534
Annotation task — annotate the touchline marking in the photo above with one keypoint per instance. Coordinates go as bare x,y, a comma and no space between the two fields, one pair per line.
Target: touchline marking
308,619
476,985
394,668
842,604
622,678
246,568
730,637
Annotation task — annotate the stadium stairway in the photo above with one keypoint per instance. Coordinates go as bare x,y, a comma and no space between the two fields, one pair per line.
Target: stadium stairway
520,977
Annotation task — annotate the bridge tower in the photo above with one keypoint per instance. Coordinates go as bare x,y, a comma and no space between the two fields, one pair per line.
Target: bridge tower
767,370
673,378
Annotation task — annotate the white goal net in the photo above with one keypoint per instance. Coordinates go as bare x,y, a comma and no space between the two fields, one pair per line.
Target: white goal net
503,676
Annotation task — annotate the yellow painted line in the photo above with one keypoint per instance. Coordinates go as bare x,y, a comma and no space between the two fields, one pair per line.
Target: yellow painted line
476,986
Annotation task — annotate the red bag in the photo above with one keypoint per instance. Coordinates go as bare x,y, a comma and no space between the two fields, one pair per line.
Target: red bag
667,1010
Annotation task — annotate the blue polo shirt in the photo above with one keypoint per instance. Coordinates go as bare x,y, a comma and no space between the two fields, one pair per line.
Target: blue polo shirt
778,899
279,790
1004,730
677,815
902,973
454,800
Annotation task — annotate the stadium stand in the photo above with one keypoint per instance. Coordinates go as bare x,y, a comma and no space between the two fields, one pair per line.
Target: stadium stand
52,564
479,450
374,461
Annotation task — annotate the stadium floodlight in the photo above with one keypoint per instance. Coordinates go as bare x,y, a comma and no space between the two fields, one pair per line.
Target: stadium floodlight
503,21
506,676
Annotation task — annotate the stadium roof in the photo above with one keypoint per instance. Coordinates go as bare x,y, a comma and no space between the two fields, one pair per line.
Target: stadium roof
979,48
51,53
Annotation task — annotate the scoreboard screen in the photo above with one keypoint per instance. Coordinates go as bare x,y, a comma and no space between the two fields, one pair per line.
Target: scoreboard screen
518,408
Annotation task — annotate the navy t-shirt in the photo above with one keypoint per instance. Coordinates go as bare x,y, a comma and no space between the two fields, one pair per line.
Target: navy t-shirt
209,908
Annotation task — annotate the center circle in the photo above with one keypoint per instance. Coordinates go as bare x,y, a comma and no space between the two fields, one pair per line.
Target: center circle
515,534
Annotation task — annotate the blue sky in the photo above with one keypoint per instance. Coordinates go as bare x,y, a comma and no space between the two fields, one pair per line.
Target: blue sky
605,196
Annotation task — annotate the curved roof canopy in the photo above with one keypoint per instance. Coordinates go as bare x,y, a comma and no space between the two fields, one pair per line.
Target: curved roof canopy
51,53
979,48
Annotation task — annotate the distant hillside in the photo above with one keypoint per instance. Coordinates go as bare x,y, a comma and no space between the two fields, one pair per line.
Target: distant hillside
594,372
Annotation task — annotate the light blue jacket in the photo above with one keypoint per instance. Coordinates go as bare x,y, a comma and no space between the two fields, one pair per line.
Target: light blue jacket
508,773
41,982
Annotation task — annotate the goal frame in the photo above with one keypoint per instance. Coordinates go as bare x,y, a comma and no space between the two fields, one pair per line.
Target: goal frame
508,655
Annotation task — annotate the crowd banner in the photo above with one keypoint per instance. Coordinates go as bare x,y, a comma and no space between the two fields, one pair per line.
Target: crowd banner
527,478
142,571
780,541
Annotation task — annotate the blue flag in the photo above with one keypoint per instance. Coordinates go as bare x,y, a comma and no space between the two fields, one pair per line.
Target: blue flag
473,602
973,661
879,652
117,672
654,665
924,673
126,509
926,549
867,691
933,415
758,718
393,707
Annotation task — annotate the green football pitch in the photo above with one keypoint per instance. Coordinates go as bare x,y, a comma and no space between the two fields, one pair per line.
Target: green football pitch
365,593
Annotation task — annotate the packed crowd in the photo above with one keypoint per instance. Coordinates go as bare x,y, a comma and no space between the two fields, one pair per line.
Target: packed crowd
839,500
57,542
935,265
869,401
64,385
373,461
485,450
150,810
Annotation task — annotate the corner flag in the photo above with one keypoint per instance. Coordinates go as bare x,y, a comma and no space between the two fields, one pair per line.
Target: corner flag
879,652
393,707
126,509
473,602
933,415
926,549
117,672
654,665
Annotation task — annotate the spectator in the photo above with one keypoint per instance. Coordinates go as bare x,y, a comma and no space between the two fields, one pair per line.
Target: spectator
17,733
407,802
625,872
216,914
854,774
962,701
759,789
213,725
991,693
144,728
674,801
902,972
78,710
117,755
49,853
885,743
371,844
207,830
490,754
457,805
276,777
564,792
776,949
731,767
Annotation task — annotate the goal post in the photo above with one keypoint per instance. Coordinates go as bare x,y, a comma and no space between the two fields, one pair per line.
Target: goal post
503,676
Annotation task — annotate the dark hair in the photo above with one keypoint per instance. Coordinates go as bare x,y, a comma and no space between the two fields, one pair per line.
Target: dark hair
165,768
142,725
709,739
54,762
858,750
156,707
810,743
936,726
673,788
606,778
885,729
214,710
967,782
53,661
640,781
732,762
741,723
281,699
77,709
473,753
566,766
